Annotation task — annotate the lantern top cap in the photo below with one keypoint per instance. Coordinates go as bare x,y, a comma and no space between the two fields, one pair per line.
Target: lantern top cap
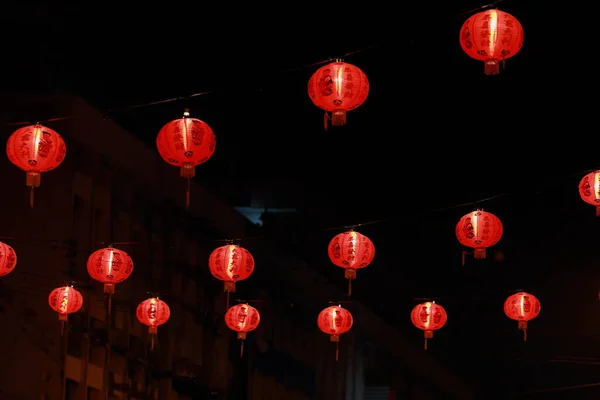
186,112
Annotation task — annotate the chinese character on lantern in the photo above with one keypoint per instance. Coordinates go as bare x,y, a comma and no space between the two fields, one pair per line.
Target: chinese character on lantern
35,149
335,321
337,88
522,307
589,190
351,251
186,143
479,230
428,317
242,318
491,36
153,312
8,259
65,300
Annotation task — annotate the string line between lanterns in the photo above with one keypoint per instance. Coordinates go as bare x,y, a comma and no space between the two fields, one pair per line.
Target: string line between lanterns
116,110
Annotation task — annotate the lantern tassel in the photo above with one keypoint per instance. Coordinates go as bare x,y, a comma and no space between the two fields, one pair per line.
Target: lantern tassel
31,196
425,345
597,211
525,334
62,327
523,327
242,349
349,287
187,193
227,300
337,351
326,121
464,258
427,335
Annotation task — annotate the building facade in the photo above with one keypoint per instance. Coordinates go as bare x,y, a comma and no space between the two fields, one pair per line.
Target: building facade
111,189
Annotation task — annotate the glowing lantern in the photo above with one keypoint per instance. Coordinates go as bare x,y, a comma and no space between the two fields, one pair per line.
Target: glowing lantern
65,300
522,307
479,230
230,263
153,312
351,251
8,259
428,317
186,143
589,190
109,266
35,149
242,318
491,36
337,88
335,321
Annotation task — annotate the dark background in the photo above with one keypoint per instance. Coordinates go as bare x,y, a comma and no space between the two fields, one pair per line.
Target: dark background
434,138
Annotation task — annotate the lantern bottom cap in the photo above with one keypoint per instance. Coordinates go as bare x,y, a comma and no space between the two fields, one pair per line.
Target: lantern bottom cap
338,117
491,67
33,178
188,170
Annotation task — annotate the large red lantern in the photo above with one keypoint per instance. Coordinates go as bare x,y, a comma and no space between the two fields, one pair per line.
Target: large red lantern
337,88
335,321
65,300
153,312
428,317
186,143
8,259
230,263
589,190
109,266
242,318
522,307
479,230
491,36
35,149
351,251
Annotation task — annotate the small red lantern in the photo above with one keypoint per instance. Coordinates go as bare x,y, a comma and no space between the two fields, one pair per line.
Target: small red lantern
337,88
491,36
35,149
479,230
230,263
428,317
522,307
335,321
8,259
186,143
589,190
351,251
109,266
153,312
242,318
65,300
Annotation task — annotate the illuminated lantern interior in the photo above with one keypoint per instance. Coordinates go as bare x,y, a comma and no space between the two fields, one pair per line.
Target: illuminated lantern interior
335,321
428,317
337,88
351,251
479,230
8,259
242,318
589,190
491,36
65,300
109,266
522,307
230,263
35,149
186,142
153,312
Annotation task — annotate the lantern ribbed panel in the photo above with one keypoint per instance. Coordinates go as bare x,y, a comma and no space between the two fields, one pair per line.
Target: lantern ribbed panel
186,140
8,259
153,312
231,263
36,148
338,86
491,34
109,265
428,316
479,230
351,250
522,306
242,318
65,300
335,320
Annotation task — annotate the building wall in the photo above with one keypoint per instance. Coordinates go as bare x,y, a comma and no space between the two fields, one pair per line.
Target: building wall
105,192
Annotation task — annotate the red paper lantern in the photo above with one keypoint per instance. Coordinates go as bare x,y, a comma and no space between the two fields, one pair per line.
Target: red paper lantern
479,230
35,149
109,266
242,318
491,36
522,307
8,259
335,321
186,143
351,251
230,263
589,189
428,317
337,88
65,300
153,312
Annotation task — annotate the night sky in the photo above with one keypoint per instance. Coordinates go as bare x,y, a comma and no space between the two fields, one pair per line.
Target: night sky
434,138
